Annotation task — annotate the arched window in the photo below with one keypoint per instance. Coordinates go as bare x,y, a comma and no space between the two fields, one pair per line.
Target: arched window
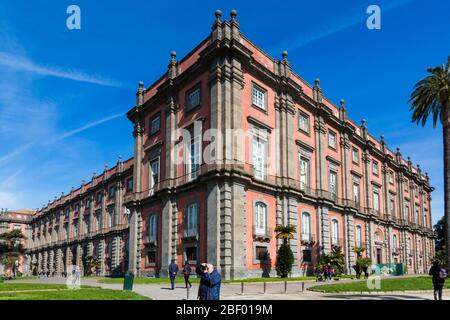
306,226
260,223
358,236
191,216
334,232
152,228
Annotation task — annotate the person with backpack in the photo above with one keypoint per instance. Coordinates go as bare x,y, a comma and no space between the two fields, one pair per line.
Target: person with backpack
439,274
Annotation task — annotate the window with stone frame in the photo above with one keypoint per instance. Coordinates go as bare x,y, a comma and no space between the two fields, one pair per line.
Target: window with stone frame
99,197
355,156
261,254
151,256
303,122
155,124
391,177
358,236
376,198
332,139
130,185
87,203
191,223
375,168
306,227
259,97
335,232
259,152
191,254
111,192
152,228
304,167
260,216
306,256
193,98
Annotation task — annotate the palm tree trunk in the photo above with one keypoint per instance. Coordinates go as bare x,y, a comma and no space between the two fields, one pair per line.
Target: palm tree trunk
446,137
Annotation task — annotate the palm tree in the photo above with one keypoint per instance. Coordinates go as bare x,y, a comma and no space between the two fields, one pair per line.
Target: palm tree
431,95
285,233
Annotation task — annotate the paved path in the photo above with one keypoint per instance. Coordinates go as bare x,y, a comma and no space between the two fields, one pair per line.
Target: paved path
252,291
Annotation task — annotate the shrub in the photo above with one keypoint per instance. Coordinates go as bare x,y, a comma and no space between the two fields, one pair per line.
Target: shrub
285,259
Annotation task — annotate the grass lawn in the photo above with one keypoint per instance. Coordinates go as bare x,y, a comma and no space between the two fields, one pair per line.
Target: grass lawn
180,279
396,284
25,291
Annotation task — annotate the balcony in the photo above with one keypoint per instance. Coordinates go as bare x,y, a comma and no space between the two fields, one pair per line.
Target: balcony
307,239
150,241
262,234
360,245
336,242
190,234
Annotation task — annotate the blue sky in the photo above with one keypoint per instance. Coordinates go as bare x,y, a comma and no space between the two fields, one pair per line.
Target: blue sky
63,94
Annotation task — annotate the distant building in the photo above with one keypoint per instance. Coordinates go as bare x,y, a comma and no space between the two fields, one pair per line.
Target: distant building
19,220
282,154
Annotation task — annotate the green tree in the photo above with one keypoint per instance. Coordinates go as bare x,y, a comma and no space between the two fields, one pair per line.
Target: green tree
439,228
92,265
431,95
285,257
336,259
11,249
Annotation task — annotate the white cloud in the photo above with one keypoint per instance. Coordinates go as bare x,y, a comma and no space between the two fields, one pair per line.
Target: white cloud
21,63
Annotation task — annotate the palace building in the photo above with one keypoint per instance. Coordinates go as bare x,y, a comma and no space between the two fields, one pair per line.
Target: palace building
229,143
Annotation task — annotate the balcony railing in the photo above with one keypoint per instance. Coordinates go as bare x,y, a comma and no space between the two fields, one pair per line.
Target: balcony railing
263,234
190,234
307,238
337,241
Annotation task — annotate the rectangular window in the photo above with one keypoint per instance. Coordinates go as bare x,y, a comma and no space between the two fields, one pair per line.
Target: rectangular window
304,172
110,217
332,140
258,97
356,195
86,225
191,225
303,122
375,168
407,214
193,157
155,124
307,256
130,185
77,208
261,253
87,203
358,236
332,177
193,99
392,206
98,197
355,155
98,219
152,228
391,177
151,256
376,199
191,254
111,192
259,157
154,174
75,229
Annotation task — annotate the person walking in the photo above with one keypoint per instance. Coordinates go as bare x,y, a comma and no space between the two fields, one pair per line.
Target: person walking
173,270
187,272
438,274
330,271
325,272
216,280
204,289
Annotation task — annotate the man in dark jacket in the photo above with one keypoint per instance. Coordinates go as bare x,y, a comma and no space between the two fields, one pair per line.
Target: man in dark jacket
173,270
439,274
215,283
187,272
204,289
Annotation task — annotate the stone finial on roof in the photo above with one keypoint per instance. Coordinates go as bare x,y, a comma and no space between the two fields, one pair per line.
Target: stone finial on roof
284,54
140,94
233,15
342,110
173,65
218,15
317,91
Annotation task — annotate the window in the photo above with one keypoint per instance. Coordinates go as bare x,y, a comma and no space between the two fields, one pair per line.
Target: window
110,217
151,256
262,254
407,214
375,168
86,224
376,199
260,223
416,216
332,142
98,219
392,206
77,208
193,99
391,177
259,146
306,255
17,227
155,124
75,229
394,242
356,195
425,220
304,172
87,203
67,213
191,254
332,178
193,157
258,97
98,197
358,236
152,228
306,227
334,232
303,122
154,174
130,185
406,186
355,155
191,223
111,192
